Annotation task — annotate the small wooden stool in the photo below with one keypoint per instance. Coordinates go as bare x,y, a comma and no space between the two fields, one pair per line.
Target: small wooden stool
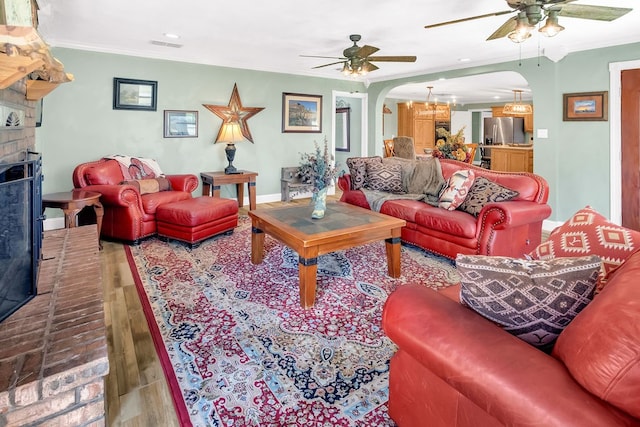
194,220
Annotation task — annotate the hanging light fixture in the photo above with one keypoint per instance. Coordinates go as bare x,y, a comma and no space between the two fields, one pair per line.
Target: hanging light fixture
551,26
517,107
431,108
522,30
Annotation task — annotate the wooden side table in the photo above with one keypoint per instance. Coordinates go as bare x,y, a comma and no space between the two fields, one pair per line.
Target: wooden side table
216,179
72,202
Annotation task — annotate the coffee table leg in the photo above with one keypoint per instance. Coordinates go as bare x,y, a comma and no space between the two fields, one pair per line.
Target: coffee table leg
393,256
257,245
307,271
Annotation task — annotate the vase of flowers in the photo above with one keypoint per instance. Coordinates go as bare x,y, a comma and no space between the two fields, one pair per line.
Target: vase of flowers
317,170
451,146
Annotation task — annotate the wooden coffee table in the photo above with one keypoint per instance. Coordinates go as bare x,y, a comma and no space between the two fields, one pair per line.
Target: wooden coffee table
344,226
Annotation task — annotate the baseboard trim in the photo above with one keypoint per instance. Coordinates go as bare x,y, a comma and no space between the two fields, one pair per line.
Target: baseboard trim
53,223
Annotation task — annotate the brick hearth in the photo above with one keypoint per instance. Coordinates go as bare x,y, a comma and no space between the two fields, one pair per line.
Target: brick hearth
53,351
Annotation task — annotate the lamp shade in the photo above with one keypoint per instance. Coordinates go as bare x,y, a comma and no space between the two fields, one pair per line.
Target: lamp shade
230,132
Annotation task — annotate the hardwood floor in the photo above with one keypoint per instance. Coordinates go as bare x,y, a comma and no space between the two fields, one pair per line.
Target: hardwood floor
137,393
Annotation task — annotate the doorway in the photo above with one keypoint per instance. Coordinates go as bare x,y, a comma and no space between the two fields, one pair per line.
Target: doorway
615,129
358,124
630,148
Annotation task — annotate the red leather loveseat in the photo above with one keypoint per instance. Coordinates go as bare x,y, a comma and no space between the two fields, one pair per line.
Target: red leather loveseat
454,368
128,215
510,228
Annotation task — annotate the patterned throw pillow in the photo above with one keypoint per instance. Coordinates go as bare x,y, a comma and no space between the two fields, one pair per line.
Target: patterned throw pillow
531,299
485,191
151,185
589,233
384,177
457,189
358,169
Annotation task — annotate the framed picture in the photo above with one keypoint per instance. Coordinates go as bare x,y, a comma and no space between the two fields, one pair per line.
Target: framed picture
585,106
301,113
129,94
180,124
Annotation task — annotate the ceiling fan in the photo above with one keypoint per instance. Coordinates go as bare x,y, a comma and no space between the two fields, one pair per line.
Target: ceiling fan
531,12
357,61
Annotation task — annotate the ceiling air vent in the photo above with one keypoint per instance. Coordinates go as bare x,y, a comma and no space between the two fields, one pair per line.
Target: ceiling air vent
165,44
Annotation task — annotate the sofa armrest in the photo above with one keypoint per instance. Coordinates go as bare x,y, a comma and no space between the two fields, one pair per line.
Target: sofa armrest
118,195
501,215
187,182
344,182
506,377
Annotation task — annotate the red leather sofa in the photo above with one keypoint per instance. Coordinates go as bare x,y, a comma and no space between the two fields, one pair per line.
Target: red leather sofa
128,215
455,368
510,228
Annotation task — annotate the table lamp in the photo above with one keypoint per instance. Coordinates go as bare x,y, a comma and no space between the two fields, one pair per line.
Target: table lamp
230,133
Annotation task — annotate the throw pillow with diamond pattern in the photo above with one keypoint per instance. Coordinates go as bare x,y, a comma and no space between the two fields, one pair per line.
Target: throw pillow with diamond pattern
384,177
531,299
589,233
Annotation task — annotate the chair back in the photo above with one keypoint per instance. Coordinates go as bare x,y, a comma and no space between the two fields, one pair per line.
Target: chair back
388,147
403,147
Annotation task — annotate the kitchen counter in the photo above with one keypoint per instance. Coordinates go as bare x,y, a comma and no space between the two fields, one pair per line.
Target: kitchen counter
508,158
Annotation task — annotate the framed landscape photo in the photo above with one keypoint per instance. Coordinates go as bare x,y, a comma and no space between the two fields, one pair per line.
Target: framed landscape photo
129,94
301,113
585,106
180,124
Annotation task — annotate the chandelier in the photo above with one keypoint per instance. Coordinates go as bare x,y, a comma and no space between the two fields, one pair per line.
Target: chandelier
517,107
431,108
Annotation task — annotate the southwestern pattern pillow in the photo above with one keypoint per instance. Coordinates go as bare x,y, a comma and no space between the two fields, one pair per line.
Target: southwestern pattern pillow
589,233
531,299
384,177
457,189
150,185
484,191
358,170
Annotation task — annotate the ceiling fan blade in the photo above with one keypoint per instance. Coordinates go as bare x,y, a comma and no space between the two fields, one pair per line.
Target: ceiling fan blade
371,67
326,57
505,29
365,51
457,21
327,65
600,13
392,58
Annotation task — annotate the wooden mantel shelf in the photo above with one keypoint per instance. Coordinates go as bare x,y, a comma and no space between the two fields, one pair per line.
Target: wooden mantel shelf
23,52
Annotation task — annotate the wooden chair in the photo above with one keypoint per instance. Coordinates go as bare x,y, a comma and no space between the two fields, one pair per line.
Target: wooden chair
388,148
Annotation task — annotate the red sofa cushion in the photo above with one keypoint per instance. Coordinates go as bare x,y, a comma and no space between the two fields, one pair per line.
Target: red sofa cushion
601,347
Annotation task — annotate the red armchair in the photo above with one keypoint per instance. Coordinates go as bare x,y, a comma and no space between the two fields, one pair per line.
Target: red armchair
128,215
456,368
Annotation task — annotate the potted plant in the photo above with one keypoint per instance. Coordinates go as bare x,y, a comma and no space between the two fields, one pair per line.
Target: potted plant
317,170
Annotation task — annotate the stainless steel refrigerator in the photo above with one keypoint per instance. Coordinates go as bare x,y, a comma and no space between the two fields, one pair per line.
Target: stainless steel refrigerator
503,130
497,131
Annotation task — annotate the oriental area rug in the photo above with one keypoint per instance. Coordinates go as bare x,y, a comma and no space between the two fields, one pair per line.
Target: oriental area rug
237,348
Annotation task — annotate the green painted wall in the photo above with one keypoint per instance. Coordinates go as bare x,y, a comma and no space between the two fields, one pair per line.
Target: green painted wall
79,124
575,157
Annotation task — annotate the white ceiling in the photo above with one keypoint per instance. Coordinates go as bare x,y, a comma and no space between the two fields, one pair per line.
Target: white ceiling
271,35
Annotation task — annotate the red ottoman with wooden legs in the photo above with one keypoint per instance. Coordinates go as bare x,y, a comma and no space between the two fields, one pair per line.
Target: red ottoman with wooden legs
194,220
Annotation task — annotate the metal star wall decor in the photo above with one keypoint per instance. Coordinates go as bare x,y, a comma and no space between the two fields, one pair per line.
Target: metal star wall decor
235,112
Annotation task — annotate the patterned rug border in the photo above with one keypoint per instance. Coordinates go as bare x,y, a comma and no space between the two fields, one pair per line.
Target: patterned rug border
167,367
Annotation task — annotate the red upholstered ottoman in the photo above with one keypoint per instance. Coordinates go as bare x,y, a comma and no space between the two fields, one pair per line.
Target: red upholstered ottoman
197,219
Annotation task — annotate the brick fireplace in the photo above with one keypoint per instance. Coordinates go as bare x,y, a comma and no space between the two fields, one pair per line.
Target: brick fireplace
53,350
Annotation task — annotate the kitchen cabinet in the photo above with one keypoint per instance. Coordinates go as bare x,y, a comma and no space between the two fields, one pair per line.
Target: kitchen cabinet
506,158
418,121
528,118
